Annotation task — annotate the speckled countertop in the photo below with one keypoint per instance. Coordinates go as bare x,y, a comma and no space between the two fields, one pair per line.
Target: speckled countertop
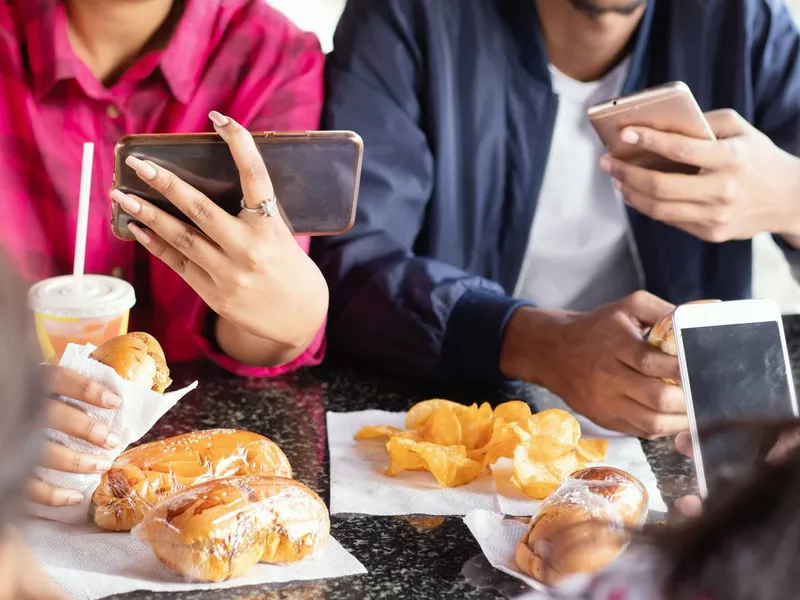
406,557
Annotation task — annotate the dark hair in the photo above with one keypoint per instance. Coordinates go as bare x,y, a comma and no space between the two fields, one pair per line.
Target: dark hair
746,543
22,397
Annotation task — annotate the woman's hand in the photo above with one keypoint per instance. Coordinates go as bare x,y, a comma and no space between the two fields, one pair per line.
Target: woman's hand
248,269
74,422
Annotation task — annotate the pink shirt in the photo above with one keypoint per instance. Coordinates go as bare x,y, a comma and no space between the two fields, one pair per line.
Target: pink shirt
239,57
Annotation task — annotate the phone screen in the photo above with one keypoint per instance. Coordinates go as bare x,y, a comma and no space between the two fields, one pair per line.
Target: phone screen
736,372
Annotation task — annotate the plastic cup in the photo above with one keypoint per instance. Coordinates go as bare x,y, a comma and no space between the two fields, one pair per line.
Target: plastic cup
65,314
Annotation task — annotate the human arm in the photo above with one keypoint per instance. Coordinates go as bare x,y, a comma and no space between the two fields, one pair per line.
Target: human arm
409,313
749,179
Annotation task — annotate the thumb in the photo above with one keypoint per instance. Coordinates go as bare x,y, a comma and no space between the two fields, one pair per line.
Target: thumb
647,308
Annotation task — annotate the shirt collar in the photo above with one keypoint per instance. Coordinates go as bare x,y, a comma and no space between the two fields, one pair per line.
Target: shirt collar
51,58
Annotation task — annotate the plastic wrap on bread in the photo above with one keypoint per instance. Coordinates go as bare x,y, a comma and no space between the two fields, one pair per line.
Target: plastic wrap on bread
143,476
662,336
136,357
221,529
584,525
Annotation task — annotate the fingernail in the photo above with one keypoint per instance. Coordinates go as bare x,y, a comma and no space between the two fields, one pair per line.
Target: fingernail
139,233
218,119
616,183
605,164
101,465
629,136
71,498
113,441
143,169
110,399
129,204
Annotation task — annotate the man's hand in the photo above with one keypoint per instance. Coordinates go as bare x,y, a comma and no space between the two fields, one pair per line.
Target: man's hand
600,365
746,186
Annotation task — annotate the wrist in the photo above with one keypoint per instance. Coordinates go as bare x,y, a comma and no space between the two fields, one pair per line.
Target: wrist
531,345
253,350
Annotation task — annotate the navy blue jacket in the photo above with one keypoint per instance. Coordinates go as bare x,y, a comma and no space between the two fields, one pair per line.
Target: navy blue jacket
454,102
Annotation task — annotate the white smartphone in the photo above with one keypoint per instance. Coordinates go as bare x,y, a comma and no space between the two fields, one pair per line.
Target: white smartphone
734,367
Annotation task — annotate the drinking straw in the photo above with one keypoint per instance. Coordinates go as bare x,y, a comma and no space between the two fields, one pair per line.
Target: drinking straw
83,213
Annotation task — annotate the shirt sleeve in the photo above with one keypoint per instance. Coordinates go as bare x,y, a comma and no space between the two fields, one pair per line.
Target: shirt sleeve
287,98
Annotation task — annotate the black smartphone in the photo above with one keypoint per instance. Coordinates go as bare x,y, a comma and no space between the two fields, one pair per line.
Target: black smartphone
315,174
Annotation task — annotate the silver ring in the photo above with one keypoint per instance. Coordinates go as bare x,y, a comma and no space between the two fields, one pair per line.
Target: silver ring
268,208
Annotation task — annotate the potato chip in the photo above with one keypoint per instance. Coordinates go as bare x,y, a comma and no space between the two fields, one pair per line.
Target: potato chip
565,466
515,411
421,411
533,478
558,433
505,438
592,451
402,457
442,427
448,464
376,432
476,426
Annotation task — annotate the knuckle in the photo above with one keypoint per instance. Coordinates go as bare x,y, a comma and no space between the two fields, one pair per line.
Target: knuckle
256,169
90,427
168,182
684,150
720,217
150,218
80,464
184,240
735,152
643,359
728,191
199,210
653,427
181,265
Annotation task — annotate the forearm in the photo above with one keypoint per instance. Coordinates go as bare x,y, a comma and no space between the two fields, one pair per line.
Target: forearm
255,351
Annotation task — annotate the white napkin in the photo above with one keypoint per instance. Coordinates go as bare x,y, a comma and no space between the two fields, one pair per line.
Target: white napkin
88,563
139,411
359,483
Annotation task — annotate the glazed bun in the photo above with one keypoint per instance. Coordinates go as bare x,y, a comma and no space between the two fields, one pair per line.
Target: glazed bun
583,526
143,476
662,336
137,357
221,529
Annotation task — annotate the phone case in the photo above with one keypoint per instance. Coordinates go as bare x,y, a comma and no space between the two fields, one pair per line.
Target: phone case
670,108
315,174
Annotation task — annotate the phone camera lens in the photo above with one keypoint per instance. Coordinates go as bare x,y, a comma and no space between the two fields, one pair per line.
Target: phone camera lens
614,103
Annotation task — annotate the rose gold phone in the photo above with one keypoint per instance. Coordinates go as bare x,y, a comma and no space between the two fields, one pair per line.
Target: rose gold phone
315,174
670,108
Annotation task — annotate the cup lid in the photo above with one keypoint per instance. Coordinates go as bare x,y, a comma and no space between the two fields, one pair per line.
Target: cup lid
99,296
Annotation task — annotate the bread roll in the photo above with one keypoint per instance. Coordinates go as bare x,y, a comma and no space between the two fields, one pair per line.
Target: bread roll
221,529
145,475
662,336
137,357
583,526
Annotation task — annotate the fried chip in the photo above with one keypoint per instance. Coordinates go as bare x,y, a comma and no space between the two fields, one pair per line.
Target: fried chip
448,464
505,438
476,426
592,451
558,433
421,411
515,411
376,432
402,457
442,427
534,479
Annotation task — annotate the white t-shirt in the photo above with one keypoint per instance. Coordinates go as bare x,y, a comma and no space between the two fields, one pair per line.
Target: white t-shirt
580,253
